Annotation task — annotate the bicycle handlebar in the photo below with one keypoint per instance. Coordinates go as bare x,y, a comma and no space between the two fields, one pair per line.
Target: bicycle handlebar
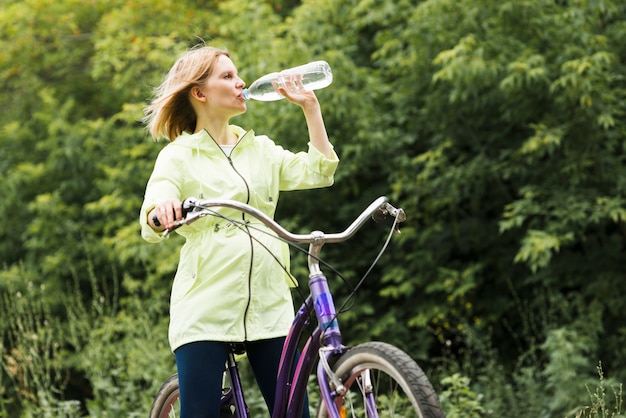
378,210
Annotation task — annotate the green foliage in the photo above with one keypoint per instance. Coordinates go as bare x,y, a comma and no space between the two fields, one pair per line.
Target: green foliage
30,362
498,126
105,359
601,405
513,151
458,399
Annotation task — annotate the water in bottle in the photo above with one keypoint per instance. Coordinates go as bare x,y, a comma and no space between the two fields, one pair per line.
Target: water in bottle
312,76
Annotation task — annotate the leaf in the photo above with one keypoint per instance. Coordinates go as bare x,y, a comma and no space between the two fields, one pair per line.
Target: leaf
538,247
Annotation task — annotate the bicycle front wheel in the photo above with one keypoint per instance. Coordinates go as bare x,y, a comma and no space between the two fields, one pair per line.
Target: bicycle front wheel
383,381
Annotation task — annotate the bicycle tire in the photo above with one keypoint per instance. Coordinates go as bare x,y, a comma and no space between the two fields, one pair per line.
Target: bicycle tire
166,404
407,391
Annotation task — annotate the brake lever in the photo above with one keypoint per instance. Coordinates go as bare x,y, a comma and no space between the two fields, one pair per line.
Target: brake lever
397,213
190,218
388,209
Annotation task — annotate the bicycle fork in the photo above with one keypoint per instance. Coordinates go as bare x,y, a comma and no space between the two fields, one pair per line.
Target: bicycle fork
335,393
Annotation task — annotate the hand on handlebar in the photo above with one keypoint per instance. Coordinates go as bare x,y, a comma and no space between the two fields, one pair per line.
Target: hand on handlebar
174,215
165,214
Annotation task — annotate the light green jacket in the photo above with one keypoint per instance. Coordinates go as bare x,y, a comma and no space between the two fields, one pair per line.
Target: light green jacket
228,287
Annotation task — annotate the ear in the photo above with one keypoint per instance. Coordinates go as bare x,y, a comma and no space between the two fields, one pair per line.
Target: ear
197,94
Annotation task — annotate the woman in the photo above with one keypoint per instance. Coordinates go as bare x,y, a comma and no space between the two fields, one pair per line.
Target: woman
228,287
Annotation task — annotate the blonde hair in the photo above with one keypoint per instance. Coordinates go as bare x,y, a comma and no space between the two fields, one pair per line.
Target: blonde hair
170,113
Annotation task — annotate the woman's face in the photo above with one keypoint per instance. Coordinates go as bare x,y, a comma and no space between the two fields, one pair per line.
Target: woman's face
223,89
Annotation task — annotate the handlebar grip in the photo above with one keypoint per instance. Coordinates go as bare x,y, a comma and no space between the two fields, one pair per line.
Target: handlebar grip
155,221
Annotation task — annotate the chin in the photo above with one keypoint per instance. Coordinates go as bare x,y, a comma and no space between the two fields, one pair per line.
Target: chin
241,110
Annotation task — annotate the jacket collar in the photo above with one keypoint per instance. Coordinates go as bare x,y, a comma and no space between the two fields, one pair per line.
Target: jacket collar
203,141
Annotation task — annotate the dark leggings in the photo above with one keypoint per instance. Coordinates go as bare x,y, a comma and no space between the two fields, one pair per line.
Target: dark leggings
200,367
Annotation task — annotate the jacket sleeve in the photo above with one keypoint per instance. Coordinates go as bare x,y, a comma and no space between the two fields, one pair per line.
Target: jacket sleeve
306,170
164,183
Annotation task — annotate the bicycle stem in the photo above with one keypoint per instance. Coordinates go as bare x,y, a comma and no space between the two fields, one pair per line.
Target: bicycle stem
314,251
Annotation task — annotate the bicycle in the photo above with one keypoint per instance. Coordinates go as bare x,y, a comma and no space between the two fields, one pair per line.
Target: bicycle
372,379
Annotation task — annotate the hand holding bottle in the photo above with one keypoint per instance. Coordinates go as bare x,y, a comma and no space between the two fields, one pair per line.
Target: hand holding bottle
312,76
297,85
291,82
294,90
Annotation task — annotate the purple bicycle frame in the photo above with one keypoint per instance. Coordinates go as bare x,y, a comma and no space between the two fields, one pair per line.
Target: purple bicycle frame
292,382
289,403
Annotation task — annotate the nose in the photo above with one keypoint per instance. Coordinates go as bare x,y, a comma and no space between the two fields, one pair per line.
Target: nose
241,83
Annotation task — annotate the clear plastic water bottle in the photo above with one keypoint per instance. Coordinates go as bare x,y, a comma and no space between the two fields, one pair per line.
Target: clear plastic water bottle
312,76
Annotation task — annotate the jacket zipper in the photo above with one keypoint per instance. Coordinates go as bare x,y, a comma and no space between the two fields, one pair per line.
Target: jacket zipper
245,225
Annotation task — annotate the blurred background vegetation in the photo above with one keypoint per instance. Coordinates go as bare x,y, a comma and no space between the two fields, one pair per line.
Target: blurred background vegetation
498,126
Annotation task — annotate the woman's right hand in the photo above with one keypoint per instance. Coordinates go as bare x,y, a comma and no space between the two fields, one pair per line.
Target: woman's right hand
165,214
